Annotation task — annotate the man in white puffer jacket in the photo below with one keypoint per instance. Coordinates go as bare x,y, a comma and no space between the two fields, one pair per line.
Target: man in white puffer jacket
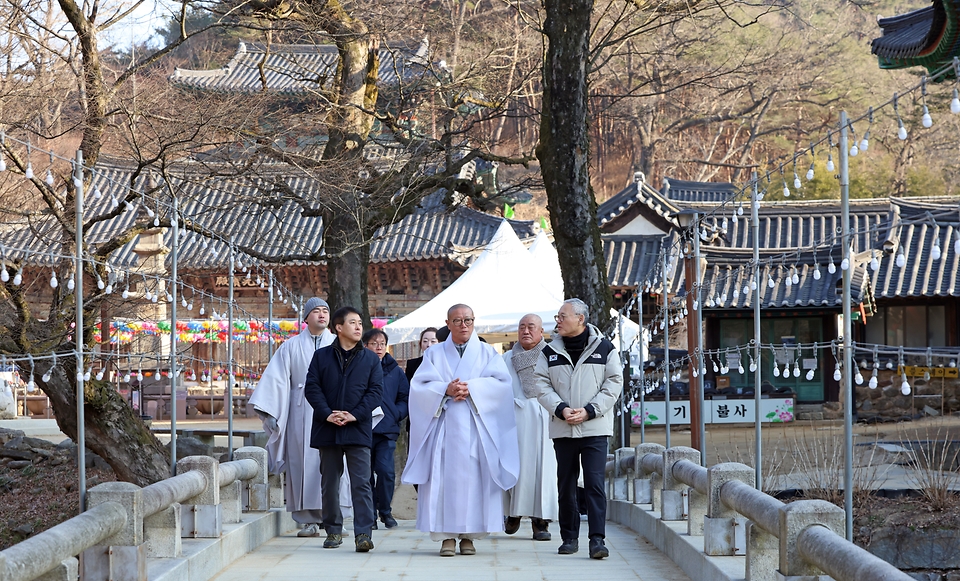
579,379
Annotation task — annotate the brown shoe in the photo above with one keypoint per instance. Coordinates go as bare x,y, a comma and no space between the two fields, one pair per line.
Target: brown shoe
467,548
448,548
511,524
540,529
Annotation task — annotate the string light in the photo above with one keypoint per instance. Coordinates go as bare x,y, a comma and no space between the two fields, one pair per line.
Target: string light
865,142
901,130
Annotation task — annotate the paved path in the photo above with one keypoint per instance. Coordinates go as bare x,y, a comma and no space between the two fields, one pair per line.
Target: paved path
405,553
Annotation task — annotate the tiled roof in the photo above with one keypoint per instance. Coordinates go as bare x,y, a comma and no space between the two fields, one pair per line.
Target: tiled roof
928,37
636,192
232,207
632,259
687,191
917,224
296,68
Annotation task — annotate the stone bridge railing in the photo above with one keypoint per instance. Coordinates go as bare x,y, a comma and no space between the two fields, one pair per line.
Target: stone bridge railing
799,541
124,525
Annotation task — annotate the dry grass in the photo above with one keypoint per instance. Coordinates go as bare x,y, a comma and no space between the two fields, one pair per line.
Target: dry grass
934,463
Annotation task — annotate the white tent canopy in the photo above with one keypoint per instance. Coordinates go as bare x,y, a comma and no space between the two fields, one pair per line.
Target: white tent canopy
503,284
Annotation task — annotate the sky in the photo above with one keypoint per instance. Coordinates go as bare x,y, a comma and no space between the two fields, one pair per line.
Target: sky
138,27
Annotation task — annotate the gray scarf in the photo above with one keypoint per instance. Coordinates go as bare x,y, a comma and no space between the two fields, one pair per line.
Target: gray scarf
524,362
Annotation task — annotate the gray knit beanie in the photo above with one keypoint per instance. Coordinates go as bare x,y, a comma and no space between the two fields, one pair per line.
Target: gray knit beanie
312,304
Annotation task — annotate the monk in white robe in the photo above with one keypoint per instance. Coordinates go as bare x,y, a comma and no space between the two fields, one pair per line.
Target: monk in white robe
535,494
287,418
463,437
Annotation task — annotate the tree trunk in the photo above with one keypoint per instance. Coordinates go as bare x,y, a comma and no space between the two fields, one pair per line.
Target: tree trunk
347,267
113,431
564,156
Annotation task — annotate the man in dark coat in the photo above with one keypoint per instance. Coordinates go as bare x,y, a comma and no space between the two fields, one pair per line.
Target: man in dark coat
396,390
344,385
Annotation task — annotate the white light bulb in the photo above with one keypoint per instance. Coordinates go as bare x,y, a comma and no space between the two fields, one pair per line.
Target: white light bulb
17,279
753,285
3,164
147,295
837,375
736,293
889,365
753,366
872,384
740,369
695,374
4,275
715,368
901,260
156,221
788,281
740,210
86,376
858,378
926,120
956,246
905,388
845,264
100,284
31,386
776,370
810,173
874,264
113,203
202,310
796,181
153,299
770,282
935,252
809,375
150,212
126,377
816,273
796,369
955,103
99,375
865,142
46,376
854,150
28,173
70,284
49,178
786,190
139,375
169,298
190,306
831,268
54,283
724,370
830,166
97,194
796,277
183,302
125,294
127,206
902,132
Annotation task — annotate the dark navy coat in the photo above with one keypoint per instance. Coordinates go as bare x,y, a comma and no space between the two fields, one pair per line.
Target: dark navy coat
351,382
396,391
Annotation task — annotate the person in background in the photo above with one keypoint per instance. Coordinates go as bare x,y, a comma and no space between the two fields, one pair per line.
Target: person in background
535,494
428,337
287,417
344,386
396,389
579,379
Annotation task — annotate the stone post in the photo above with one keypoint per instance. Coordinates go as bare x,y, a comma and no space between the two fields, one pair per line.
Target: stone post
231,501
68,570
696,512
275,484
646,486
673,490
123,556
719,527
202,515
256,493
161,533
762,553
620,488
794,518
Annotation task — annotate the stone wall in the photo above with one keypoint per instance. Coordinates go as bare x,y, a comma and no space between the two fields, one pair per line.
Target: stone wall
931,397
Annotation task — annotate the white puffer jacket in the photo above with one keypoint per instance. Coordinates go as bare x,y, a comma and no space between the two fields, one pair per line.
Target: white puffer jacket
595,380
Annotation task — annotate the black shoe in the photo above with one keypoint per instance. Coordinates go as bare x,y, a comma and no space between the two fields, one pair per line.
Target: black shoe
388,521
540,532
374,527
511,524
597,549
333,541
364,543
569,547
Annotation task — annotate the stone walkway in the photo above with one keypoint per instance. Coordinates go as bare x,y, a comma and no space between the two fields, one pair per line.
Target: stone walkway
405,553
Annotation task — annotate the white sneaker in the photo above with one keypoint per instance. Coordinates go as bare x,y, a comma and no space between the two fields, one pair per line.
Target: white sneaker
310,530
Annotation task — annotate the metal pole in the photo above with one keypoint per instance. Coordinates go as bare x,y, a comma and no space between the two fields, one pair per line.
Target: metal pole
270,317
173,339
624,414
666,349
230,355
643,387
755,216
701,430
78,333
845,363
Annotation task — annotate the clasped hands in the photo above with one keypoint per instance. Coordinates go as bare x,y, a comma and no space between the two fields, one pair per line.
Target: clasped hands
458,390
341,418
575,416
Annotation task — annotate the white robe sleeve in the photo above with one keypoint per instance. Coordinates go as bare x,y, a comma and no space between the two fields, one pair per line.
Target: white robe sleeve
272,396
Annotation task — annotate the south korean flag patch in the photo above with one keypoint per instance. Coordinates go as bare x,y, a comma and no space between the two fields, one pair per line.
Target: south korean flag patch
552,358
